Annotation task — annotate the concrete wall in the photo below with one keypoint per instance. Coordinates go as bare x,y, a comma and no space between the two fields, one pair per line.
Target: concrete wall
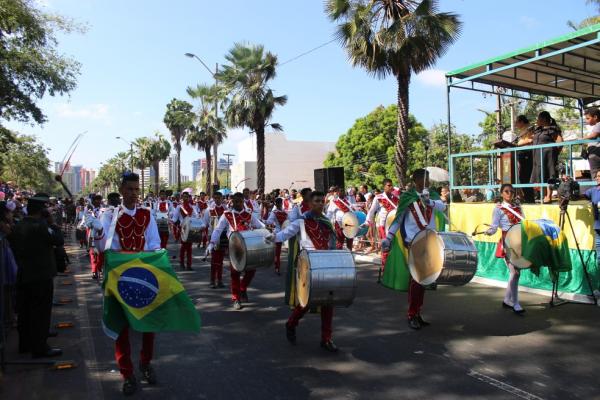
241,171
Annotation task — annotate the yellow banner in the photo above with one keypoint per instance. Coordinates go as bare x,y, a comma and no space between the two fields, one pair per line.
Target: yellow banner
468,217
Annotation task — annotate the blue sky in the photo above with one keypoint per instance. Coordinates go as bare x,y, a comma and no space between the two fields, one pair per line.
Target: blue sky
133,65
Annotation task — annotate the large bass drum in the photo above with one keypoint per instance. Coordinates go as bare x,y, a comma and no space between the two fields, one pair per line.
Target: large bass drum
513,246
162,221
445,258
325,277
191,231
249,250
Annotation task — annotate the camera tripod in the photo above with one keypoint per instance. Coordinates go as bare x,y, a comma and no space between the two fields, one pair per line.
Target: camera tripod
564,215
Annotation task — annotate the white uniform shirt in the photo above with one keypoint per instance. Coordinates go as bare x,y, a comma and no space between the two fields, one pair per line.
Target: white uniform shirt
295,213
272,220
156,206
411,228
378,209
151,234
223,225
334,213
179,216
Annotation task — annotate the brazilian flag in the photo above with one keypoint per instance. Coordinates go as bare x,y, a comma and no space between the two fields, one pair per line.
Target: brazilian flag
544,244
142,291
396,274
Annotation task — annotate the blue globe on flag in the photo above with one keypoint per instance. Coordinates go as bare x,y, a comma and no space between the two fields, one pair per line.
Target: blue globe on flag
138,287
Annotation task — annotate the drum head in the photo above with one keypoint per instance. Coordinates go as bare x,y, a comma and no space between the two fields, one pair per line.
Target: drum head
237,251
512,247
350,225
426,257
303,278
390,219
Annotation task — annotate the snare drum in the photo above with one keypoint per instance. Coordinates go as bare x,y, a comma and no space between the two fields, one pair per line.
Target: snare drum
512,247
249,250
325,277
191,230
446,258
162,220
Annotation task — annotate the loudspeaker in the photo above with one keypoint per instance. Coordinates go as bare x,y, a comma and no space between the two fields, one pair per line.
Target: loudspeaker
327,177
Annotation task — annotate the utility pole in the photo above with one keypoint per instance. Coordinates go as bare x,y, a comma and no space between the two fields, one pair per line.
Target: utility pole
228,167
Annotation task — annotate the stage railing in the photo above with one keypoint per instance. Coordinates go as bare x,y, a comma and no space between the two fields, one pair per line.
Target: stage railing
482,166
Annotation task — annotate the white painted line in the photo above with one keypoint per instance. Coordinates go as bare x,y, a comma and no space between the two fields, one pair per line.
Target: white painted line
503,386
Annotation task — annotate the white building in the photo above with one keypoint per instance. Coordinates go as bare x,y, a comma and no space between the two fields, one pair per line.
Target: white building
168,170
287,162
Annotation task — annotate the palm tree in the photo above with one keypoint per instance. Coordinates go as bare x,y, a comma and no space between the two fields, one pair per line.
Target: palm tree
252,101
141,159
159,150
210,129
394,37
178,119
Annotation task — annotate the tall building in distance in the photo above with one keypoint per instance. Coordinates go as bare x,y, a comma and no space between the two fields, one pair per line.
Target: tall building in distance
168,170
199,168
87,176
196,166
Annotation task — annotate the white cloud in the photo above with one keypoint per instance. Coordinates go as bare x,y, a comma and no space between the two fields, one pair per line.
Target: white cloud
432,77
529,22
97,112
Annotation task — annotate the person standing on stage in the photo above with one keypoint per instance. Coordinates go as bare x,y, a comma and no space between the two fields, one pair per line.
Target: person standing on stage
317,233
211,216
525,157
237,219
276,219
506,214
32,242
184,211
163,205
135,230
417,216
338,206
382,205
592,118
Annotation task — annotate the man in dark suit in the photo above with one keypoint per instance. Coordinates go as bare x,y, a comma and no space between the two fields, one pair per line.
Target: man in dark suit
33,244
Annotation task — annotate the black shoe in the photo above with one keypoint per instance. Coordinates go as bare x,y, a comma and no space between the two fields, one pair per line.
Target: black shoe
52,334
414,323
212,285
95,275
290,333
129,386
148,374
422,321
504,305
237,305
50,352
220,285
189,268
244,297
329,346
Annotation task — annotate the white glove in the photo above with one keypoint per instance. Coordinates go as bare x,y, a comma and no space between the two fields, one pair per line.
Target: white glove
209,249
386,244
270,238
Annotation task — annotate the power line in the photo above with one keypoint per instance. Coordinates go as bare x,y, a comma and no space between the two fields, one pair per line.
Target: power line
307,52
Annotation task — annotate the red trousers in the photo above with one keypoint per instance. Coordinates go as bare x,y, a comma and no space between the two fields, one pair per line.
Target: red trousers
185,251
278,256
216,265
239,284
176,232
416,294
326,320
164,239
123,352
97,261
204,237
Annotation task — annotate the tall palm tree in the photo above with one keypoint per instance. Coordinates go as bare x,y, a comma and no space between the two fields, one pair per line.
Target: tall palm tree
178,119
141,157
210,129
159,150
251,100
398,38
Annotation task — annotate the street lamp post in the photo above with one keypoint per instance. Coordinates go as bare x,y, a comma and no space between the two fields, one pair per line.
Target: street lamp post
215,145
130,151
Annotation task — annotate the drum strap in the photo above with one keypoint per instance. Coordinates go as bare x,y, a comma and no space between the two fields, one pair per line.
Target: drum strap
509,209
117,212
418,215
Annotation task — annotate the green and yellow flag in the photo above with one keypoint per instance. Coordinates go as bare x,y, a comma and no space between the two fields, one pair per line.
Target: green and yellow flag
396,274
142,291
544,244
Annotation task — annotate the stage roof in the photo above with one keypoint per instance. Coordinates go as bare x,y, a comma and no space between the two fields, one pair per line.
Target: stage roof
568,66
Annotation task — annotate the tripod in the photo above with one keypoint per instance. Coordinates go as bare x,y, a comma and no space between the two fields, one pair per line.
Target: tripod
564,215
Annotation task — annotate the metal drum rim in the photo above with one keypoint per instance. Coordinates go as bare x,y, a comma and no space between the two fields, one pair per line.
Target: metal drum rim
245,252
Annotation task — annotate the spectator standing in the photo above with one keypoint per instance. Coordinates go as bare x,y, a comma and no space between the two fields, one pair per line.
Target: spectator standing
592,118
545,160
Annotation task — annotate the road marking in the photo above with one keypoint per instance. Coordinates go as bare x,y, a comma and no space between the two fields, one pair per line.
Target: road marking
503,386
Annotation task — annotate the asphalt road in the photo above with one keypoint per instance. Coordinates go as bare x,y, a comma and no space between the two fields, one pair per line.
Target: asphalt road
474,349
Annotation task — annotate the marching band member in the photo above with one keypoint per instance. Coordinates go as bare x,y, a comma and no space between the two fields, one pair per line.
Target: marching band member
316,233
249,204
201,207
299,209
176,228
276,218
163,205
419,214
96,257
135,230
182,212
505,215
218,253
382,205
338,206
237,219
80,218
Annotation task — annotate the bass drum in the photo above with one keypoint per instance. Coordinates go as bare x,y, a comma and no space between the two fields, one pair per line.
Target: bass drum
325,277
512,247
162,221
445,258
249,250
389,220
191,231
350,225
